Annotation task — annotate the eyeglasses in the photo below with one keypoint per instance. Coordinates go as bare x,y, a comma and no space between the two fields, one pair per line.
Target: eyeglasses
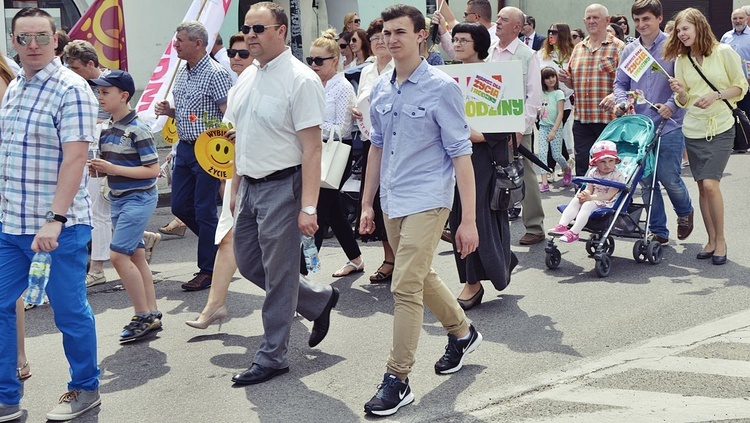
244,54
258,29
41,39
553,32
461,41
376,38
356,21
466,14
317,60
575,36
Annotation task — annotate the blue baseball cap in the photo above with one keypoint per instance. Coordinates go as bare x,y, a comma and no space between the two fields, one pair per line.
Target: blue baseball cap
117,78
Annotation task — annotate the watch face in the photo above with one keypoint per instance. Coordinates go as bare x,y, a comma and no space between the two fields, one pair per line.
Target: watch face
50,215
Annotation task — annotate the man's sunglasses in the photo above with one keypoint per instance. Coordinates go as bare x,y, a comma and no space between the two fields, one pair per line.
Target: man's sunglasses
317,60
553,32
244,54
466,14
258,29
41,39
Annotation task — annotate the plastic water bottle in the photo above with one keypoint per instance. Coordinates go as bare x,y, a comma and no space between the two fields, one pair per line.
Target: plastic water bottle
38,278
312,261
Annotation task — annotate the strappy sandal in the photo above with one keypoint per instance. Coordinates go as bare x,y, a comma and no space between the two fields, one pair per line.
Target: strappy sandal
21,375
381,277
175,227
357,269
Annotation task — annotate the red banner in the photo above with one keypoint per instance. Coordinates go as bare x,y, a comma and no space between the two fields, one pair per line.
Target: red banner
103,26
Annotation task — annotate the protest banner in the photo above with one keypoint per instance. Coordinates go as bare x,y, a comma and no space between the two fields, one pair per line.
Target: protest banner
494,94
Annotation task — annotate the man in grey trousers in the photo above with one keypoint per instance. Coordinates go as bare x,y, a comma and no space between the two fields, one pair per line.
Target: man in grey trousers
277,106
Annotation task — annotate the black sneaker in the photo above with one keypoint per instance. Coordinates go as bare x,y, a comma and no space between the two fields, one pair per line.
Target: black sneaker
514,213
392,394
455,352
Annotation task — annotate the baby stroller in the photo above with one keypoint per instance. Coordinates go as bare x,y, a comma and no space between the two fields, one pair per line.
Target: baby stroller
635,139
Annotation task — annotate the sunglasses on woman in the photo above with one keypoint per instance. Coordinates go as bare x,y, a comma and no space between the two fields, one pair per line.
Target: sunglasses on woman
356,21
258,28
41,39
244,54
553,32
343,46
317,60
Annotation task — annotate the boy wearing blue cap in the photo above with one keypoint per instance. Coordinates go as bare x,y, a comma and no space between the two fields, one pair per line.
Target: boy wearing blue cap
131,164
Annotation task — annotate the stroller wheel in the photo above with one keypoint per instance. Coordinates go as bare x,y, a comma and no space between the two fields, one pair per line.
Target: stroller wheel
639,251
609,246
654,252
553,259
603,266
591,244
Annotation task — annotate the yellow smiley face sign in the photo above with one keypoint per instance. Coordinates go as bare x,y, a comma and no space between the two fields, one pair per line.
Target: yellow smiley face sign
215,153
169,131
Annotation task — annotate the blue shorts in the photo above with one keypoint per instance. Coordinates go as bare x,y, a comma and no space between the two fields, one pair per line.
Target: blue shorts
130,215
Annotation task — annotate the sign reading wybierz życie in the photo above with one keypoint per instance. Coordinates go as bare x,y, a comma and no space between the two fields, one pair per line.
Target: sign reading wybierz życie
493,93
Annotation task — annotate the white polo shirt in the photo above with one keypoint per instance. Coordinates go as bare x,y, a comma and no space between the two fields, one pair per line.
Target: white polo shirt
268,106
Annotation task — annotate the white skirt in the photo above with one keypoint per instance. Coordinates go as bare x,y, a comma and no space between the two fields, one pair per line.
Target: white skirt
226,221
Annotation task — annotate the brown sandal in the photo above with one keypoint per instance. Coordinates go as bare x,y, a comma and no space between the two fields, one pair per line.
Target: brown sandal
175,227
381,277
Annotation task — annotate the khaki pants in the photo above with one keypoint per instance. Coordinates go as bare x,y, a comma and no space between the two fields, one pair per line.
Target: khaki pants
415,284
533,213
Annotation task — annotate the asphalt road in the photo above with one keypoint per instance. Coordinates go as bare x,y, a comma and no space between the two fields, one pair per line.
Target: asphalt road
545,325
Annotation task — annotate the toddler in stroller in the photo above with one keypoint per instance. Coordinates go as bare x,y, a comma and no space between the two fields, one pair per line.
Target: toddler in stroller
604,160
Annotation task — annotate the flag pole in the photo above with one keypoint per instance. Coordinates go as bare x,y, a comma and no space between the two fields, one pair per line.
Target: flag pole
179,61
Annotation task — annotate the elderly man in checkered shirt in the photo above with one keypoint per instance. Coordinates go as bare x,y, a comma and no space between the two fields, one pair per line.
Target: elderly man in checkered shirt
201,86
591,73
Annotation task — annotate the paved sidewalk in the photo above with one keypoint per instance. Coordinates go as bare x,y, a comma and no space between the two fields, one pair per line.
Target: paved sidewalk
700,374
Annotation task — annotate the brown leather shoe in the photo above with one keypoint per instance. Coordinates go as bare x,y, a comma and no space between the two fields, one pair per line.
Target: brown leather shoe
447,236
684,226
200,282
531,239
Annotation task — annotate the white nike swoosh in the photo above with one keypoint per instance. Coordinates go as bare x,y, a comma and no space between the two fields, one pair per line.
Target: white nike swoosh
466,348
401,395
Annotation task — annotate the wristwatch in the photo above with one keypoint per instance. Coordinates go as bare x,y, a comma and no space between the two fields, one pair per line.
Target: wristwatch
54,217
719,92
310,210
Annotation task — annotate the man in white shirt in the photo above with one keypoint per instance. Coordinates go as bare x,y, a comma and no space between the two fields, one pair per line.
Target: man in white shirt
277,107
510,47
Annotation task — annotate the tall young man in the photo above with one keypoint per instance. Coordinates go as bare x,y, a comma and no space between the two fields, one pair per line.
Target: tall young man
647,15
420,140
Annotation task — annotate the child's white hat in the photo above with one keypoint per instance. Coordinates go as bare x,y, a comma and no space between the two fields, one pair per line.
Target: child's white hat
603,149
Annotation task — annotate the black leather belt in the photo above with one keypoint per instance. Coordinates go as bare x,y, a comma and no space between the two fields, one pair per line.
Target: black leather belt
189,142
279,174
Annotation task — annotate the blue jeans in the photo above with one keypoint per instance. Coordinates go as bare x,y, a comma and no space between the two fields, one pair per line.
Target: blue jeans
668,175
130,215
67,295
194,194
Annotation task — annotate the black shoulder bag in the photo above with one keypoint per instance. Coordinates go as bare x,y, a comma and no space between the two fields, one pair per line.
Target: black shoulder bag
741,122
509,188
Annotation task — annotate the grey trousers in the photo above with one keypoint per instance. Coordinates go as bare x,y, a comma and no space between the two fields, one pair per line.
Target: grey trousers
267,249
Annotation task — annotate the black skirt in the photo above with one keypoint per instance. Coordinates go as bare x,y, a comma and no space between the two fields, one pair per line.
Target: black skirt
379,233
491,260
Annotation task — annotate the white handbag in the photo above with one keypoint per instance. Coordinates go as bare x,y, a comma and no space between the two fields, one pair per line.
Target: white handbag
333,161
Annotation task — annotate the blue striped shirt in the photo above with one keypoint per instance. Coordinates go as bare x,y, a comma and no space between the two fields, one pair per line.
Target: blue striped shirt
128,142
37,116
202,88
421,126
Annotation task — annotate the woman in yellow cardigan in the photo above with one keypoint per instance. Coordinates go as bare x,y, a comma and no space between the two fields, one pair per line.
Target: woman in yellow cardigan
709,124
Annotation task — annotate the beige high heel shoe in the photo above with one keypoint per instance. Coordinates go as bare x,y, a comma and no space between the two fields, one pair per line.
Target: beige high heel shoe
220,314
175,227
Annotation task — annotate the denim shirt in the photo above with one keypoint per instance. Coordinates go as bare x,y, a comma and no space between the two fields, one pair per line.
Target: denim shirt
740,43
421,126
655,85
